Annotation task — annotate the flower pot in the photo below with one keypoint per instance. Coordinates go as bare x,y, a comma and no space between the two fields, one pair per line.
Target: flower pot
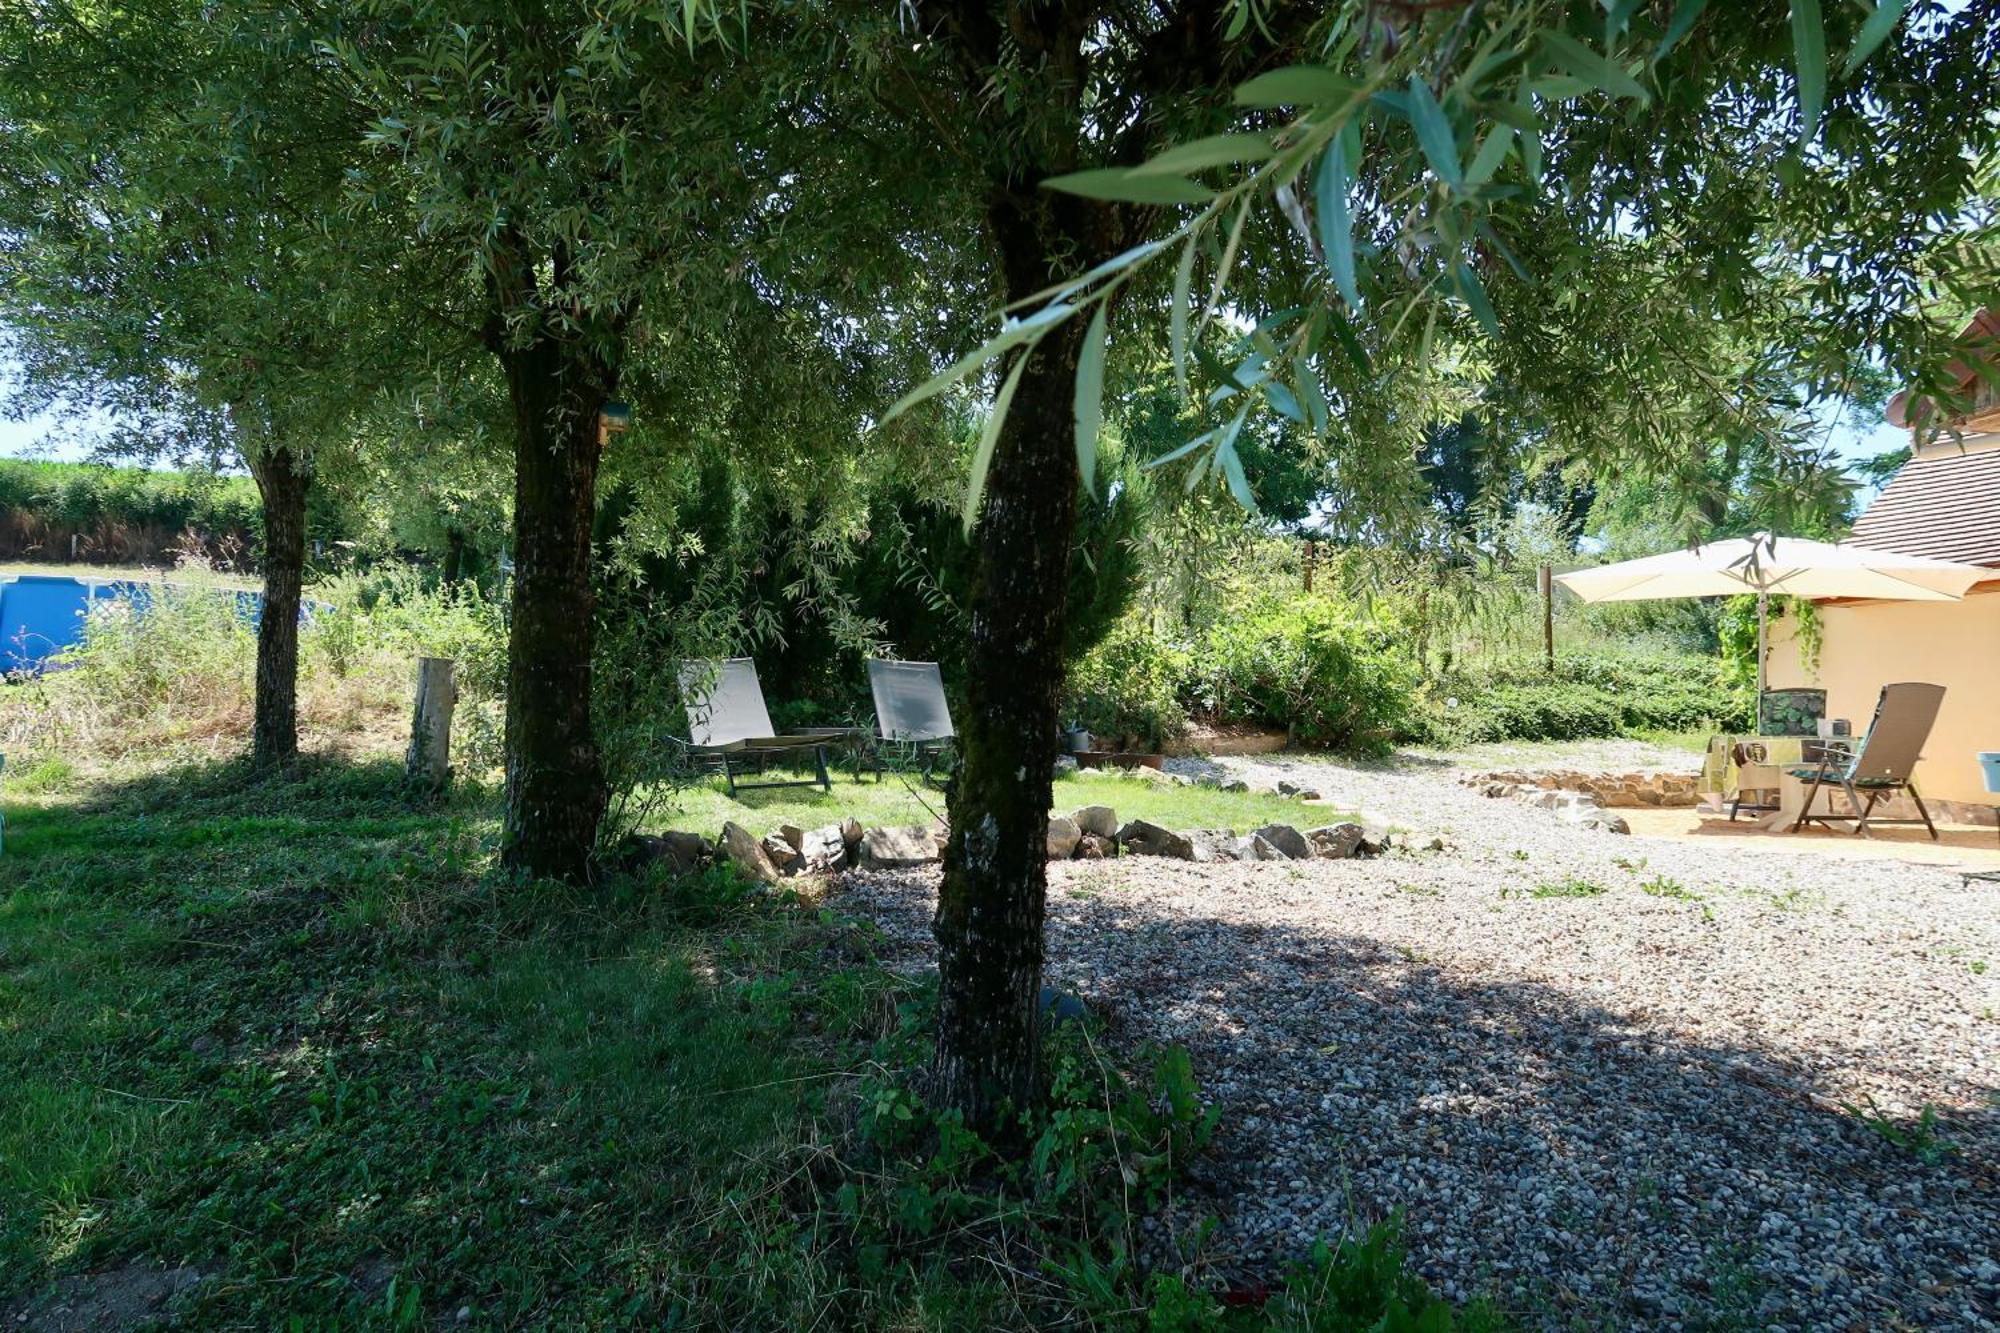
1989,760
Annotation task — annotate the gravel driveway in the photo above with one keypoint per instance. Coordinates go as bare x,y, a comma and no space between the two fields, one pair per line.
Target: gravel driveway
1605,1078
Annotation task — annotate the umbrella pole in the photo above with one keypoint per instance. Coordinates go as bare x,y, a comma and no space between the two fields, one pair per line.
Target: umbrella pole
1762,599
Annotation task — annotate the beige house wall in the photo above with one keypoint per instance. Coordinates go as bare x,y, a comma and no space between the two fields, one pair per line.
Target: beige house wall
1867,645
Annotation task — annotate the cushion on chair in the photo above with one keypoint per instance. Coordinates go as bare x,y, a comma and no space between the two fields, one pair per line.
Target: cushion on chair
1790,712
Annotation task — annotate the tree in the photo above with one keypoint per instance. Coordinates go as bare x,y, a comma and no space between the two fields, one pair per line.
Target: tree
167,218
1031,91
1580,203
597,198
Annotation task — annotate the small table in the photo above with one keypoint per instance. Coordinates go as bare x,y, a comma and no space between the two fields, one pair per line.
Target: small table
1721,776
1792,792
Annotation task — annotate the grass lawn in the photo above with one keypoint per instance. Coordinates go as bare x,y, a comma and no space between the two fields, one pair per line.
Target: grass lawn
899,800
303,1038
297,1037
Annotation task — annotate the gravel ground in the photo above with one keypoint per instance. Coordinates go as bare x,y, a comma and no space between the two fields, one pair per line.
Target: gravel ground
1618,1105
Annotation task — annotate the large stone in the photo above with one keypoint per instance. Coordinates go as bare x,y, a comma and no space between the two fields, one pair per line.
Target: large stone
1599,819
782,853
1261,848
1063,837
1093,848
794,835
822,850
680,853
1286,839
897,846
1214,845
740,846
1336,842
1147,839
1099,819
1376,839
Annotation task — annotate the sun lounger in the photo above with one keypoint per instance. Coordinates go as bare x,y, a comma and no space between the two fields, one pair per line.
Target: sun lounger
910,709
730,729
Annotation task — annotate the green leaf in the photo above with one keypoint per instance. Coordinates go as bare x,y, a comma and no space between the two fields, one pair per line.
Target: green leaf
1213,368
1121,185
1217,150
1490,155
1881,22
1809,50
1311,396
1685,14
1178,328
1012,335
1090,397
1466,278
1232,466
1286,403
1296,85
1062,290
1182,452
1343,333
1594,69
989,435
1336,219
1228,262
1617,16
1434,134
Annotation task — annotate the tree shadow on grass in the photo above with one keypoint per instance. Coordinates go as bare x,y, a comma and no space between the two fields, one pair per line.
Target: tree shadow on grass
1585,1167
294,1033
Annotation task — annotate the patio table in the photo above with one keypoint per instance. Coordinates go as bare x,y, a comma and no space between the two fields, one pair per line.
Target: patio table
1720,775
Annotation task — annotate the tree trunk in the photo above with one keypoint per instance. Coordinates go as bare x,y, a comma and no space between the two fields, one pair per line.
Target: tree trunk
454,559
282,482
555,788
991,903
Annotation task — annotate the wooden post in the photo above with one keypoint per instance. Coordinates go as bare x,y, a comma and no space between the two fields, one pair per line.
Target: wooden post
1546,578
1312,559
428,763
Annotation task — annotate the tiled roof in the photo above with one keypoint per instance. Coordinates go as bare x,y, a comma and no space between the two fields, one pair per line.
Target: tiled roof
1946,506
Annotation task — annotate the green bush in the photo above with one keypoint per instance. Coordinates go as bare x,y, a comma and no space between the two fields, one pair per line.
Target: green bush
1311,665
121,513
1128,690
1588,695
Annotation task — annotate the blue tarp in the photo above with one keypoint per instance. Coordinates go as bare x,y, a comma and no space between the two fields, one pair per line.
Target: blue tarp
42,614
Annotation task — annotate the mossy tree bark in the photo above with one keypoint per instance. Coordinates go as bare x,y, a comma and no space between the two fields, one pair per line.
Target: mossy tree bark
555,786
991,903
282,482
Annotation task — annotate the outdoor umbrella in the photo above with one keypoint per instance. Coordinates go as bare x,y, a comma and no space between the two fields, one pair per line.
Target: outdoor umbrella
1764,564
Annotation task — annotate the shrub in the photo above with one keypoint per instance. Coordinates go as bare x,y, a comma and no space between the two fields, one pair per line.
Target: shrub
1310,665
1128,689
1596,694
112,513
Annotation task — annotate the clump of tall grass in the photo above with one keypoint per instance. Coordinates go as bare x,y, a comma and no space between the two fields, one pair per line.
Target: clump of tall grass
359,647
170,674
169,667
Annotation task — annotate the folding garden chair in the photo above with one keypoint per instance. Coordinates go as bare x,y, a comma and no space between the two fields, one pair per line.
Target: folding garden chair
910,710
730,729
1880,765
